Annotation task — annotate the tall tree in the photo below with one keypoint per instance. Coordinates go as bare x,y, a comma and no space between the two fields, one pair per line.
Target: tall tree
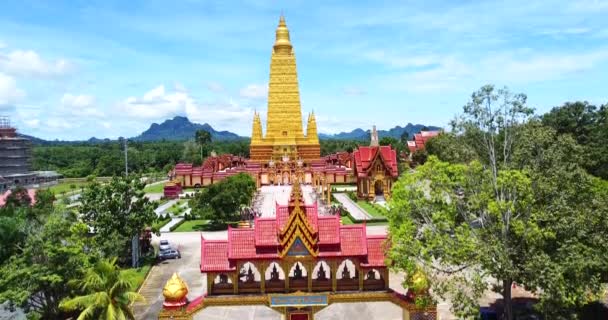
221,202
107,291
524,212
36,278
203,139
117,211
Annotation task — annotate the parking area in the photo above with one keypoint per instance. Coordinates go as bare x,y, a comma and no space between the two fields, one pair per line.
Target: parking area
187,267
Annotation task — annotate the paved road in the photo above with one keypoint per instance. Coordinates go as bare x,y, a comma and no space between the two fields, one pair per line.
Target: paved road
352,207
187,267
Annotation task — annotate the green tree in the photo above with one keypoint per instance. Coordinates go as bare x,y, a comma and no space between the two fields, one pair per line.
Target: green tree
222,201
388,141
36,278
117,211
451,148
107,292
523,212
203,139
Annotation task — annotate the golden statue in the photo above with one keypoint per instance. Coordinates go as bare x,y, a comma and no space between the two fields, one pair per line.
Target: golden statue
284,132
175,289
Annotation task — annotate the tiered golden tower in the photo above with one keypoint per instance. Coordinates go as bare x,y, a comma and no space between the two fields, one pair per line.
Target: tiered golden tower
284,132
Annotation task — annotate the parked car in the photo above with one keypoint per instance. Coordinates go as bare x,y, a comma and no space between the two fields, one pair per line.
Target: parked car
164,245
169,254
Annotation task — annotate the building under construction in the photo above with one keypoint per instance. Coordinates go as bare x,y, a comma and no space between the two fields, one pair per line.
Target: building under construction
15,158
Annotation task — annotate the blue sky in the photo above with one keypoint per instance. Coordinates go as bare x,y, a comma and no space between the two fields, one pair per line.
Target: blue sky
76,69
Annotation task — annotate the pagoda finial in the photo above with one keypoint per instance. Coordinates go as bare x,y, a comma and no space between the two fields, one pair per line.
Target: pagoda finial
282,44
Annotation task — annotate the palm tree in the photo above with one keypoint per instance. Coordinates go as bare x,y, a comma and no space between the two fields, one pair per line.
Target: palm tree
107,293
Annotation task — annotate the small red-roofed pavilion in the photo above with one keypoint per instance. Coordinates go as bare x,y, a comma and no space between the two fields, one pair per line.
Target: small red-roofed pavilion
376,171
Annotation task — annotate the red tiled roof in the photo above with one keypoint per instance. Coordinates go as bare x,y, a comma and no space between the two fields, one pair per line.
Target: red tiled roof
241,243
214,255
30,192
266,232
353,240
364,157
375,251
420,140
329,229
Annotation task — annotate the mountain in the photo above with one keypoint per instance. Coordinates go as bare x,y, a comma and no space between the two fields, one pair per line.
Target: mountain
360,134
180,128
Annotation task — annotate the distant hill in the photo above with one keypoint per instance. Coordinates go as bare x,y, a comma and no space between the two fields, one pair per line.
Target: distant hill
360,134
180,128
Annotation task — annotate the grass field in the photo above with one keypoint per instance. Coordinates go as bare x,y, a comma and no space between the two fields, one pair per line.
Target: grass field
193,225
156,188
65,187
346,220
373,210
142,272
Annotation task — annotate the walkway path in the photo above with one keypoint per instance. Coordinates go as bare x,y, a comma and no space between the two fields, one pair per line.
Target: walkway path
174,221
163,207
354,209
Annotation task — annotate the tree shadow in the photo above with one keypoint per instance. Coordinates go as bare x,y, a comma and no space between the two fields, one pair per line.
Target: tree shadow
212,226
523,309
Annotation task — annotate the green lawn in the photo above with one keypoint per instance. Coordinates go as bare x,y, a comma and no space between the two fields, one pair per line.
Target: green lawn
157,188
142,272
193,225
346,220
176,209
373,210
65,187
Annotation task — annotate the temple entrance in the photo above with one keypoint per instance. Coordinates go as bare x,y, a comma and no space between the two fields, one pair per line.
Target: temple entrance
299,315
379,188
285,178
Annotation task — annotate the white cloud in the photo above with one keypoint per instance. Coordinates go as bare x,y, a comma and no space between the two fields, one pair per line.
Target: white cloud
29,63
32,123
58,124
9,92
158,104
511,68
80,105
254,91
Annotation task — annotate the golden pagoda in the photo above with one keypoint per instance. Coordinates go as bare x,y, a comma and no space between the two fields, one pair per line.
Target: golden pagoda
284,132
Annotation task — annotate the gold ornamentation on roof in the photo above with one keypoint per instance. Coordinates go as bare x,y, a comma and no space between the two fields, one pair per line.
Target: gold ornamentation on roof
298,226
175,289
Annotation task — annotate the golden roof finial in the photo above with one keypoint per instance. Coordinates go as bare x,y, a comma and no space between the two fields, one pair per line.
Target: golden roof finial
282,43
175,289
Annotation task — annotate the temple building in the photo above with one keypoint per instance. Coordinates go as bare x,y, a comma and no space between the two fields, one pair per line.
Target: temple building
296,263
284,136
375,169
420,140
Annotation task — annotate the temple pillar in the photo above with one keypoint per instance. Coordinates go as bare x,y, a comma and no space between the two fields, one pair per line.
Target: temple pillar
309,267
406,314
286,271
262,269
385,276
210,278
334,275
328,193
236,278
361,276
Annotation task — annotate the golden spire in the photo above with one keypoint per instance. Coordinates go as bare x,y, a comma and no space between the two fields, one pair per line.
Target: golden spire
282,44
256,134
311,129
